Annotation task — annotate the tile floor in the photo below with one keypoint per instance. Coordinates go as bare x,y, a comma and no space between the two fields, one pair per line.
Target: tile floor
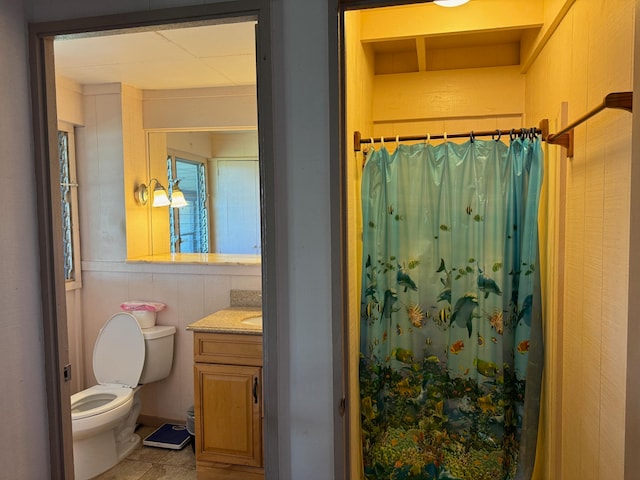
151,463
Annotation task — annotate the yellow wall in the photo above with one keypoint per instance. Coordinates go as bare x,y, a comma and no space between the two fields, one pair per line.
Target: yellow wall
589,55
359,105
135,171
159,229
583,51
453,101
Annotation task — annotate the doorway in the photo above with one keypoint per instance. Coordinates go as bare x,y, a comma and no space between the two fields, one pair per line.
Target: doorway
42,55
406,71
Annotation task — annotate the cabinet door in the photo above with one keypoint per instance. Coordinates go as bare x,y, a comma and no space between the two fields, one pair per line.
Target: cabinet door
228,414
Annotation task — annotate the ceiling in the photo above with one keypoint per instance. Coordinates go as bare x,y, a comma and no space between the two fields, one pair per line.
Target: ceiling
202,56
223,55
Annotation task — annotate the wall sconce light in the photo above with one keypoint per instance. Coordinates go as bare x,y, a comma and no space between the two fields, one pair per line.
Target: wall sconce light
177,197
450,3
160,196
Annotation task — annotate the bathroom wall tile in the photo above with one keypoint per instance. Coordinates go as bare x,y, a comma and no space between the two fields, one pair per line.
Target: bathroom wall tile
216,290
179,385
246,282
165,289
190,298
161,399
102,294
164,396
140,286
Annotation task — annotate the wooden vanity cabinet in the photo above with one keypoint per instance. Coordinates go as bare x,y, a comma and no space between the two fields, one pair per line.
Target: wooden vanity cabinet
228,406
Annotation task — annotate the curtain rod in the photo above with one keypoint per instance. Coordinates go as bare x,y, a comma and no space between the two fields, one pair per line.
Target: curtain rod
358,140
564,138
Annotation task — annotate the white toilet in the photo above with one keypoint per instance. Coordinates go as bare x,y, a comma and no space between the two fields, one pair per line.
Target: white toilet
103,417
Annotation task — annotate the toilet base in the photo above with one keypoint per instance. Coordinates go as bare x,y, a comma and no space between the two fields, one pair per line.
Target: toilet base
125,448
95,454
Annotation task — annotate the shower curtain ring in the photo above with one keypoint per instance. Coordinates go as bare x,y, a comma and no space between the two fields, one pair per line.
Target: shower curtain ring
512,135
499,133
472,137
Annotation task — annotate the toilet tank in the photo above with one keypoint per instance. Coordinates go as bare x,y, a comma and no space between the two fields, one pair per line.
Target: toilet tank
158,342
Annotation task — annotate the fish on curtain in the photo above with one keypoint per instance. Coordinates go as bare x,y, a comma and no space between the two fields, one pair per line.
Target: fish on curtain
450,315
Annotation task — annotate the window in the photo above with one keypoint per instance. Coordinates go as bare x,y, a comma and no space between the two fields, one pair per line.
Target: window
189,226
69,206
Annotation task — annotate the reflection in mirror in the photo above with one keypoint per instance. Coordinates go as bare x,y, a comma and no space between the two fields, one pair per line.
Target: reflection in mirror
188,225
219,176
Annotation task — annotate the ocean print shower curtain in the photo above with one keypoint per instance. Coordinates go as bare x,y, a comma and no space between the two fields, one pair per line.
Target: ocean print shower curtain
450,360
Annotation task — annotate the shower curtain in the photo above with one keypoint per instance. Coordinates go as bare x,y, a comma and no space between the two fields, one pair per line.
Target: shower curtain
451,349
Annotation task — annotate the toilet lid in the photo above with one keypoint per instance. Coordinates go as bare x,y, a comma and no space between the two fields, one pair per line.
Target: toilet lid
118,355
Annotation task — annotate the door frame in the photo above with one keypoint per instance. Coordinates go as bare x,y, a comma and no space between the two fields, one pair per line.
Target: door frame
44,124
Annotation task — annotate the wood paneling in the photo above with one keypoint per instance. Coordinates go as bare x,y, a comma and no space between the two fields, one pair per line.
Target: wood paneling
589,55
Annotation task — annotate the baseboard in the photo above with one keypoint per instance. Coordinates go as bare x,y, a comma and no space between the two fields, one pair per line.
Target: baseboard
227,472
151,421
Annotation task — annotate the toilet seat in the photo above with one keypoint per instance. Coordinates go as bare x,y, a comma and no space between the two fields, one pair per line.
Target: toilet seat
118,359
98,399
119,351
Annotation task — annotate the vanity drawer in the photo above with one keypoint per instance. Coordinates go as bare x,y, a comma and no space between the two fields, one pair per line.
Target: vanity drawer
227,348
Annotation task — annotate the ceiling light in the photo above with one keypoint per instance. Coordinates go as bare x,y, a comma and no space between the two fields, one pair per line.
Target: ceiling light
450,3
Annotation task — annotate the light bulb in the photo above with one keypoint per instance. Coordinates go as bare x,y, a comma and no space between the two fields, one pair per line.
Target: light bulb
450,3
160,198
177,197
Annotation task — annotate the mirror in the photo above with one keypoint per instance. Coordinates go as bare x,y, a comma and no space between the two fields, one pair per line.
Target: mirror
218,173
169,104
140,98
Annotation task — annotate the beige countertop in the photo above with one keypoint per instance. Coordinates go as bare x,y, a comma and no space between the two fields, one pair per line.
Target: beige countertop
229,320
